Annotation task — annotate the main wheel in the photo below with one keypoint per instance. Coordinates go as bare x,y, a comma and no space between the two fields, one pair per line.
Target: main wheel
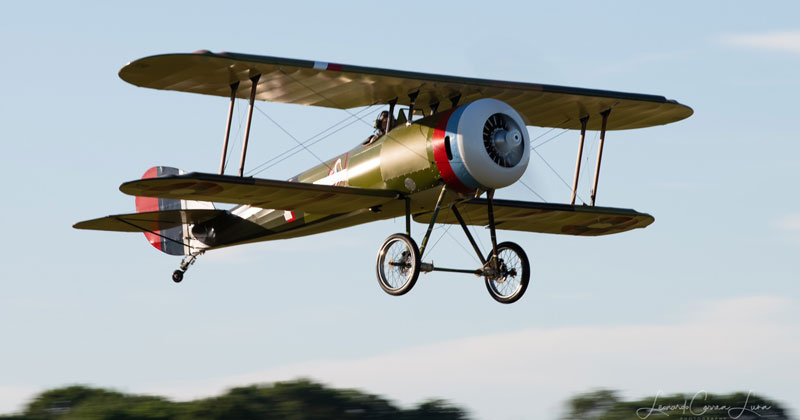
397,265
508,283
177,276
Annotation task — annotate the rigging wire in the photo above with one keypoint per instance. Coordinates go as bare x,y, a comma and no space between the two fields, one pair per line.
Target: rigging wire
286,154
549,140
552,169
357,117
293,137
546,133
531,190
533,149
472,254
472,225
388,134
293,151
446,231
443,228
324,97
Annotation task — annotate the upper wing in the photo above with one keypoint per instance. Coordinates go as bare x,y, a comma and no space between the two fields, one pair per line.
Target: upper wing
346,86
264,193
561,219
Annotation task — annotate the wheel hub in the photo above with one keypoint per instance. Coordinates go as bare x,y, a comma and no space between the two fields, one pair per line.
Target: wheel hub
500,274
402,263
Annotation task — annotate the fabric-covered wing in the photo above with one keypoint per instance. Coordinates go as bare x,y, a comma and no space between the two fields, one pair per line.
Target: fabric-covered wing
264,193
346,86
561,219
151,221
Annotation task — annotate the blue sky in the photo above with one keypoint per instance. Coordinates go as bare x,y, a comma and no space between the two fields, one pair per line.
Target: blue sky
707,298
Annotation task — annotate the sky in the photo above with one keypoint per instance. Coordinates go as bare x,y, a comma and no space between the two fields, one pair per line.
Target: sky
705,299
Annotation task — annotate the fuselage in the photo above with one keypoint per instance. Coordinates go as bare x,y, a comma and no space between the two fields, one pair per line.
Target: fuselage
400,160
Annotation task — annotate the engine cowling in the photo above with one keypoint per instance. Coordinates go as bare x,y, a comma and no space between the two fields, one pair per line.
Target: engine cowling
481,145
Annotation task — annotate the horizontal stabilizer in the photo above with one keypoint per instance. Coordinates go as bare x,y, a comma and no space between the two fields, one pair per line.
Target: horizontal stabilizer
560,219
264,193
152,221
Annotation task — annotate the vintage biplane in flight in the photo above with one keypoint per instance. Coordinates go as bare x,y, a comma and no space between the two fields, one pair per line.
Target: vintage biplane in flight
454,140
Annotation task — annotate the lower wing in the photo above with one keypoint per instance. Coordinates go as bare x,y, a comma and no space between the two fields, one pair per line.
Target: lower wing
560,219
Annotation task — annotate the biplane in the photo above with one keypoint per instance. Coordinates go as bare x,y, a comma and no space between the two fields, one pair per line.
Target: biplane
442,145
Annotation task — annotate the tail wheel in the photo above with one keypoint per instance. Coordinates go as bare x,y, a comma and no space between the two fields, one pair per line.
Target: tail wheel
397,265
507,283
177,276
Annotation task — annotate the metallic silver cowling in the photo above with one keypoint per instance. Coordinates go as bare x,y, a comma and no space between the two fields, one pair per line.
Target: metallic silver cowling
490,145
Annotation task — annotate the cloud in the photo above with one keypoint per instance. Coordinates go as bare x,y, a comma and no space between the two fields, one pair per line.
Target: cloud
787,41
720,345
790,223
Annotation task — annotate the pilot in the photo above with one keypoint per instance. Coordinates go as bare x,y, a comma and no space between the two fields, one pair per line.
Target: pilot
381,124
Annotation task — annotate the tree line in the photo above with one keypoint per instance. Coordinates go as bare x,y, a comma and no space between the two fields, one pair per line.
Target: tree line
293,400
308,400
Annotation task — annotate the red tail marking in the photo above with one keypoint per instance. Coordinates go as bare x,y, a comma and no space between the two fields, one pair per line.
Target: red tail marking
146,204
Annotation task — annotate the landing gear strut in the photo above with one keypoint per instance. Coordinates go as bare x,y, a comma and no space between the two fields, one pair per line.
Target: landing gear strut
177,275
506,270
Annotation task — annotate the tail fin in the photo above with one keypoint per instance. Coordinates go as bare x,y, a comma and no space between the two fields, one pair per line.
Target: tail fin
176,240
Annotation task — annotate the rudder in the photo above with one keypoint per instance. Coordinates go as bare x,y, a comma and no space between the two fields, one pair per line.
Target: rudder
176,240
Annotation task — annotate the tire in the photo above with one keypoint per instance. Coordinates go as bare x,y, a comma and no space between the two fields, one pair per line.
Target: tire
177,276
516,272
397,265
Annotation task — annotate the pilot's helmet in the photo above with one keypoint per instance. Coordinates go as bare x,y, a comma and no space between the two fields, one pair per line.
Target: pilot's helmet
380,122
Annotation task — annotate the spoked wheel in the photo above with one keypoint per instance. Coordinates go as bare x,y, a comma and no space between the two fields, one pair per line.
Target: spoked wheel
397,266
508,283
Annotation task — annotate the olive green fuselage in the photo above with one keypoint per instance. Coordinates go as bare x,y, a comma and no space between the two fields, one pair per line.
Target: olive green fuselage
401,160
